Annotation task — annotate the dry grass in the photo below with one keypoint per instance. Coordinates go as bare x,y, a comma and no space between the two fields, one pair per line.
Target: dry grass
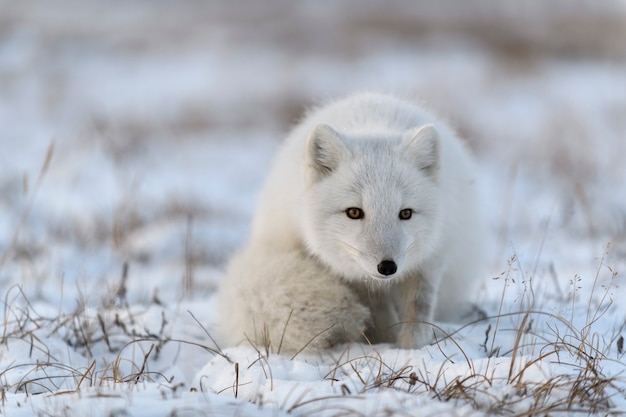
118,350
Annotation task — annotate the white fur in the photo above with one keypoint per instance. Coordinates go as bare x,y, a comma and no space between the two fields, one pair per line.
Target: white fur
308,262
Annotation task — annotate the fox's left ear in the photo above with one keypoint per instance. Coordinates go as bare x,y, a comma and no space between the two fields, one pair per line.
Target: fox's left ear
422,147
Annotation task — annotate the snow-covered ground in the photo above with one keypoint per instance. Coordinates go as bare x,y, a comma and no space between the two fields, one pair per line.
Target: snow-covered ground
133,138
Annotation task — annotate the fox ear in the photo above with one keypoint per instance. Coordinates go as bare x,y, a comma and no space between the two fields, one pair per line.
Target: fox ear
323,153
422,147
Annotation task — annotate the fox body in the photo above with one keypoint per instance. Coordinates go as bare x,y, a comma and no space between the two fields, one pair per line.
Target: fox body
369,223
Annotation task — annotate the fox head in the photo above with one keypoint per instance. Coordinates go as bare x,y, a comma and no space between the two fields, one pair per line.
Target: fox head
371,205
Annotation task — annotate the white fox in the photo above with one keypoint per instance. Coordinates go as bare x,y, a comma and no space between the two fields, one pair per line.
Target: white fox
368,224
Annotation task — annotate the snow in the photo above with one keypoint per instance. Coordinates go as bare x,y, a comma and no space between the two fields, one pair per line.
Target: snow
160,123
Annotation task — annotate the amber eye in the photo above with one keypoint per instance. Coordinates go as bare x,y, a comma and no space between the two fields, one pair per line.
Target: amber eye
405,214
354,213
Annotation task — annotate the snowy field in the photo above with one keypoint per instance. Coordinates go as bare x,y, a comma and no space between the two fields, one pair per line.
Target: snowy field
134,137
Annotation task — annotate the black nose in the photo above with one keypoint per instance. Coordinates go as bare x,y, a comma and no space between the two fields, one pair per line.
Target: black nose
387,267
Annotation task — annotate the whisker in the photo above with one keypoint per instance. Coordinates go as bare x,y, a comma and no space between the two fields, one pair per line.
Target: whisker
355,251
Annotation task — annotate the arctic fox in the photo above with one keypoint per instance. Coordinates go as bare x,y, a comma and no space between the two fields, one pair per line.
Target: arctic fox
369,224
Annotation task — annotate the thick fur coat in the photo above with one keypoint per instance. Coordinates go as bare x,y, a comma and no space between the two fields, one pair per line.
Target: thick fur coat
369,224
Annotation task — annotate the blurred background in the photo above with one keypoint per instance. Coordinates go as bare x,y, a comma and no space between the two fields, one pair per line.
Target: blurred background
160,119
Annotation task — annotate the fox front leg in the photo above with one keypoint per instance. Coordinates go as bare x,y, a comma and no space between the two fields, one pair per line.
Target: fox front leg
417,297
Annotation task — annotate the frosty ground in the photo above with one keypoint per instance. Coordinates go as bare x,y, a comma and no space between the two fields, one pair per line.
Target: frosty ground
131,149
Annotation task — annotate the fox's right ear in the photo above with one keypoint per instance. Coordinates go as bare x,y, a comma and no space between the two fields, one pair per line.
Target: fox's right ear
323,153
